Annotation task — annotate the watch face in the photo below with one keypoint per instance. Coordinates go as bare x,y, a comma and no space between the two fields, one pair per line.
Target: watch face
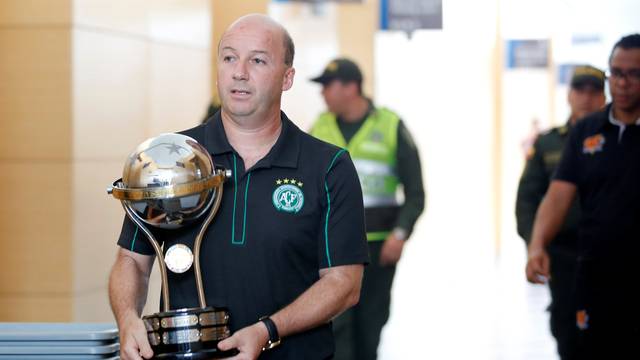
178,258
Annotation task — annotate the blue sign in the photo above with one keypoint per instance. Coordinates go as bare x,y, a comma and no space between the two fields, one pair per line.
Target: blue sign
527,54
410,15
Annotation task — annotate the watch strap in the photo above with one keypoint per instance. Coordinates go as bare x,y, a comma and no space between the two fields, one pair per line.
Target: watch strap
274,337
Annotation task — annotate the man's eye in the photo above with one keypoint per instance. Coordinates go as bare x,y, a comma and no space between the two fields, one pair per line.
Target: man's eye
227,58
259,61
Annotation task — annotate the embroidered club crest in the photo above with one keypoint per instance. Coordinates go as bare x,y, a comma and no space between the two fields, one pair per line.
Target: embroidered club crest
288,197
593,144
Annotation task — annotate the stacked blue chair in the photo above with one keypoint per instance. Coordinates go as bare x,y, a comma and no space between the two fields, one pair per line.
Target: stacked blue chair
42,341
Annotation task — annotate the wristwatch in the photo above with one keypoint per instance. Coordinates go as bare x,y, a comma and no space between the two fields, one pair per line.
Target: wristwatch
274,338
400,233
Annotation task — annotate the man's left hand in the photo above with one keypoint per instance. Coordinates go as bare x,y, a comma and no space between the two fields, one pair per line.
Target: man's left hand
249,342
391,250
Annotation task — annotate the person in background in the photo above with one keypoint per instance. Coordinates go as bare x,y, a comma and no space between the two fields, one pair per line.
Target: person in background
385,157
586,95
601,163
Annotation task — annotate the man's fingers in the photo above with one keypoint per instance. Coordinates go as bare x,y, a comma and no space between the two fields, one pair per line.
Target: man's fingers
227,344
145,348
537,270
129,350
532,271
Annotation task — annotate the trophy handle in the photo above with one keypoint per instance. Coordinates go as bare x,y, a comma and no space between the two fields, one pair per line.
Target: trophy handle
196,251
156,248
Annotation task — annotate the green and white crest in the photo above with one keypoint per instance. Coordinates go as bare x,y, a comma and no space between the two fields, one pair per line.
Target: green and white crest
288,197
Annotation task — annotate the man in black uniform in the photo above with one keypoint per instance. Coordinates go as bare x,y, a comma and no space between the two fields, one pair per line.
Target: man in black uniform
586,95
601,163
284,268
385,157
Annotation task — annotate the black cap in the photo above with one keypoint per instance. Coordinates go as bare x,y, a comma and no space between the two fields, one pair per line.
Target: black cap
587,75
340,69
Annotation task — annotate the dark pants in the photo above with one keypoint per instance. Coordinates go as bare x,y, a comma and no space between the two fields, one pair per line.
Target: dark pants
609,293
563,304
357,330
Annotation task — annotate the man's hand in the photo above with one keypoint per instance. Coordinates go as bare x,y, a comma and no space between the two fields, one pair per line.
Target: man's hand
391,250
134,344
538,265
249,342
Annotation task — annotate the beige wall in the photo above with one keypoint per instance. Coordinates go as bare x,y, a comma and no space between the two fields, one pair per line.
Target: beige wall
35,160
357,26
140,68
81,84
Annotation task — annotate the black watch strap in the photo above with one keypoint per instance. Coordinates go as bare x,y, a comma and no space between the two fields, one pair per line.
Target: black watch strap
274,338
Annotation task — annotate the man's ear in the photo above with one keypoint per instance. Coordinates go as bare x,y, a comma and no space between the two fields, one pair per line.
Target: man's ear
287,81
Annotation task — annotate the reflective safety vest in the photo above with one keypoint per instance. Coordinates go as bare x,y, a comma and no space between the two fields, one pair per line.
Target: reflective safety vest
373,151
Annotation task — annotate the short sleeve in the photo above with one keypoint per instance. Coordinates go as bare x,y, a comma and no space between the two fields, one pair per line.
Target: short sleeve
342,239
569,167
133,238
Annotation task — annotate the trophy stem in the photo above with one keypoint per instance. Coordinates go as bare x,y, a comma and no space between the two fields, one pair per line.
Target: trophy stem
198,242
158,250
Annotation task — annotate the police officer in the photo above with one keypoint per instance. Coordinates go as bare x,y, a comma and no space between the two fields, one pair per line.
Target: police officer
600,162
385,156
586,95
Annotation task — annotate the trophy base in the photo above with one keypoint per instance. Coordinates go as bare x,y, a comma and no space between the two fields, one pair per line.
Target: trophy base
191,333
199,355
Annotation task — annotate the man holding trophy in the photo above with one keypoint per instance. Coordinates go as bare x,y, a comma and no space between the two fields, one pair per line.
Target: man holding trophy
285,252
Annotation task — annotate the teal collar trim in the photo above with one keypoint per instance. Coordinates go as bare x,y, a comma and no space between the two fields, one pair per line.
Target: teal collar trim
235,201
235,198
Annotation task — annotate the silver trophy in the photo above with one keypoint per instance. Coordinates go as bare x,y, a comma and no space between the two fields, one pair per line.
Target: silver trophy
170,181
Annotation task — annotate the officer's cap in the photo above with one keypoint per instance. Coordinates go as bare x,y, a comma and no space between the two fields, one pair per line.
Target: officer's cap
340,69
587,75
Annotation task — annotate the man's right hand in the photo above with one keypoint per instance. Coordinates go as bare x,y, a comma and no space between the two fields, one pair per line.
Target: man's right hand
538,265
134,344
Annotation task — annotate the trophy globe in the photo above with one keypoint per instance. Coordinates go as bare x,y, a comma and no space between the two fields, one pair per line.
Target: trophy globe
170,181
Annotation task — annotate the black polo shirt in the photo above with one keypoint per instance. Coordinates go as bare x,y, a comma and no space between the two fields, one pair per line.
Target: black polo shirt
263,250
603,160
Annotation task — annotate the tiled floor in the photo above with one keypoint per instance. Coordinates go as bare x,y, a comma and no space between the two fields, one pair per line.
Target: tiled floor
456,299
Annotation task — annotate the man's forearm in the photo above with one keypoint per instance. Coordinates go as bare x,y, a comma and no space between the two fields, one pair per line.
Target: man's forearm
551,213
128,286
332,294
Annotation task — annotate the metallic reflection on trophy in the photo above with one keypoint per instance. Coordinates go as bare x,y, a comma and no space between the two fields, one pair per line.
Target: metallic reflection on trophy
170,181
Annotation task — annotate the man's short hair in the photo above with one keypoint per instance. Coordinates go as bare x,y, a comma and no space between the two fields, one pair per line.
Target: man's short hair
626,42
289,48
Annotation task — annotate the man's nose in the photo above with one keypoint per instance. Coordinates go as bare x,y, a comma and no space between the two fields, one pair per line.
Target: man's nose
240,71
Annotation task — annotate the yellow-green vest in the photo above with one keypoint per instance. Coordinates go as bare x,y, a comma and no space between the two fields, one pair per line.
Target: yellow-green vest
373,150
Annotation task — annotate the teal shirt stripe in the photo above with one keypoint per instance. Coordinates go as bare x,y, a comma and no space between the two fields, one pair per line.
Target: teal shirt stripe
326,221
235,196
135,236
244,217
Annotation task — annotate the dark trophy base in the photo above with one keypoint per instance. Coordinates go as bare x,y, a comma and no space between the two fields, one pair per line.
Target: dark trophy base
188,333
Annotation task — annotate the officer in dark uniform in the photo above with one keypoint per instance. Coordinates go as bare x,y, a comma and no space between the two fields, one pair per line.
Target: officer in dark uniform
586,95
601,164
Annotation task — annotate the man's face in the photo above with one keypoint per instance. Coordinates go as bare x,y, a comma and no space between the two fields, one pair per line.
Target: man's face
584,100
624,80
251,69
337,95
